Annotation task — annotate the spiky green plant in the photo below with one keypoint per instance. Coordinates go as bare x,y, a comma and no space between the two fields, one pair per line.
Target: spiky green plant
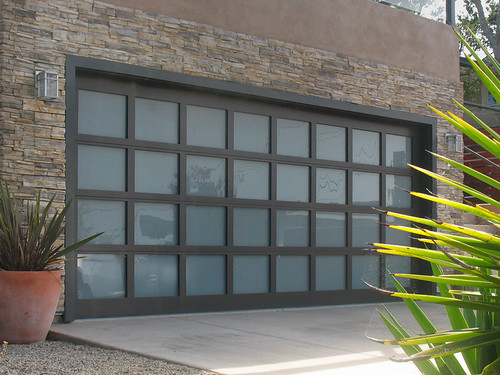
30,243
471,293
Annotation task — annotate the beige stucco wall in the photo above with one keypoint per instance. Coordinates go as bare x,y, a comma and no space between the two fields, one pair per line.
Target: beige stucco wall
361,28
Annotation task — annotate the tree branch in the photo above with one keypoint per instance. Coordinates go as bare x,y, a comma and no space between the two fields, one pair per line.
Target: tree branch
484,24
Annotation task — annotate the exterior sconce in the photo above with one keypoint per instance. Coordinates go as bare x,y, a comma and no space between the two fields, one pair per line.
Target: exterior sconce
454,142
47,84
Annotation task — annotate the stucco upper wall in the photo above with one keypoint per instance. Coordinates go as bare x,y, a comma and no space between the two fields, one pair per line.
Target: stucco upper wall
360,28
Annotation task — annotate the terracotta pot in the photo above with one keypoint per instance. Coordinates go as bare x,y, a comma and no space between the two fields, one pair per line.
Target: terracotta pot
28,302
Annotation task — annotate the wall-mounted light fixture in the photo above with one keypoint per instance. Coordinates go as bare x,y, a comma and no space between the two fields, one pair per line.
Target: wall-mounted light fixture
47,84
454,142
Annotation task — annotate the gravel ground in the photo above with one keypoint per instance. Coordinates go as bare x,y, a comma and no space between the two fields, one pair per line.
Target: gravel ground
58,357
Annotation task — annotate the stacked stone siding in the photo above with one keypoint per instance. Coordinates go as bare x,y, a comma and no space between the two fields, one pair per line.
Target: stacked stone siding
39,34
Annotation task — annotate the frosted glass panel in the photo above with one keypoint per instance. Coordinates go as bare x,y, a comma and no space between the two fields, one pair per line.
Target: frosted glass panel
292,183
367,268
206,127
394,236
330,142
250,274
292,228
397,151
95,216
156,275
397,264
251,132
330,229
293,138
251,180
366,189
206,176
397,191
205,275
365,229
101,276
156,224
102,114
330,272
205,225
292,273
251,227
365,147
156,121
101,168
156,172
330,186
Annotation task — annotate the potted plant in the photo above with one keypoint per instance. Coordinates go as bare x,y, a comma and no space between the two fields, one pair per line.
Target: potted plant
30,257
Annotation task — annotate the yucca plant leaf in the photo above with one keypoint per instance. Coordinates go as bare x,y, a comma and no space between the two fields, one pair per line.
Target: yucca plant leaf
475,193
478,137
470,171
493,368
487,77
475,294
450,363
475,283
426,366
481,123
485,339
476,56
438,337
476,305
427,254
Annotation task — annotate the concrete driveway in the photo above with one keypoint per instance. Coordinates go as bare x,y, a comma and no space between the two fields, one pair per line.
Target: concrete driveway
312,341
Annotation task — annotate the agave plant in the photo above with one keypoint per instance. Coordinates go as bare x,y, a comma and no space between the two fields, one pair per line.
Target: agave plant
471,292
31,243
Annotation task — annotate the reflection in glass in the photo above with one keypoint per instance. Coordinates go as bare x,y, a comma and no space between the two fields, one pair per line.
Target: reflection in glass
250,274
330,186
205,226
366,189
206,176
365,229
251,227
330,142
156,172
102,114
330,272
293,138
292,273
156,224
101,276
292,183
101,168
292,228
156,275
394,236
95,216
365,268
251,132
398,151
330,229
365,147
156,121
206,127
205,275
251,180
397,191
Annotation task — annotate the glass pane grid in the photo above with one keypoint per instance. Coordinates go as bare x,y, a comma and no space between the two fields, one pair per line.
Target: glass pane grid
248,227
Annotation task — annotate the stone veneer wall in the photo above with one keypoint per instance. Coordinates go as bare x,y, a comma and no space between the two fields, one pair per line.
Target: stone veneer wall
36,33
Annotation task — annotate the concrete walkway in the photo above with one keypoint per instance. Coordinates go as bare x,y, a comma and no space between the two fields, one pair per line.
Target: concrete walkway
312,341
